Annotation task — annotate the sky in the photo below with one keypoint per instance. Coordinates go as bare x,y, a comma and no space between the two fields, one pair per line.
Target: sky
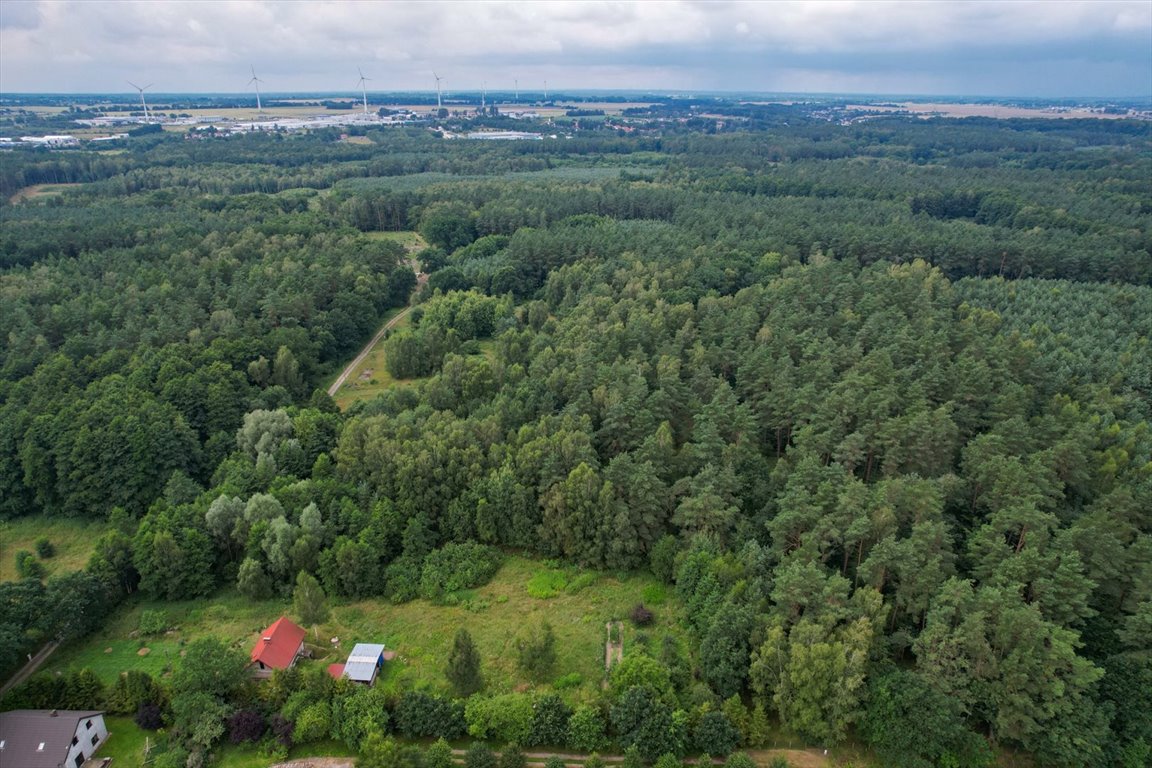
1047,49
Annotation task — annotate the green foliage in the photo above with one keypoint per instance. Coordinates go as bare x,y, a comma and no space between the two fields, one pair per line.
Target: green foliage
506,718
479,755
536,651
309,601
420,715
550,718
209,666
457,566
715,734
546,584
742,760
644,721
587,729
28,567
463,670
909,723
438,755
44,548
152,622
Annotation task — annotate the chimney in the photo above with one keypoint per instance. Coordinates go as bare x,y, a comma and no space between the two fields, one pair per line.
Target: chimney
53,713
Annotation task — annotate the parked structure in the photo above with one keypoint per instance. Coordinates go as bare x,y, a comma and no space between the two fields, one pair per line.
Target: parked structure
42,738
363,664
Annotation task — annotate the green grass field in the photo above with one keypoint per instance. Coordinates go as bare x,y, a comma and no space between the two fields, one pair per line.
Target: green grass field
421,633
72,538
371,377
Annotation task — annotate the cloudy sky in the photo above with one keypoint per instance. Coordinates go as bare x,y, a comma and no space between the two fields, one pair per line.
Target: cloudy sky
1051,48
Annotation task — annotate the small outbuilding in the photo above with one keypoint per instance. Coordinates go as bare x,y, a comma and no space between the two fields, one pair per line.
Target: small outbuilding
278,647
43,738
365,662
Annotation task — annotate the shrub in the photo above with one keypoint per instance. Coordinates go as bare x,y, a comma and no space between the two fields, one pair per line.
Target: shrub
586,729
580,583
152,622
554,762
668,760
245,725
536,652
570,680
27,566
421,715
595,761
45,548
512,757
148,716
479,756
438,755
641,616
457,566
741,760
715,734
546,584
507,717
313,723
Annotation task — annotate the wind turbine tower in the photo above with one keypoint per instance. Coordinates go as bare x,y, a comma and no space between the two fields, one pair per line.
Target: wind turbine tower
257,81
545,90
438,79
483,95
143,103
363,88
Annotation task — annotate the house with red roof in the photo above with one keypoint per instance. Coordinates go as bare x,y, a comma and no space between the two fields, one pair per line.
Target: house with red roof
278,647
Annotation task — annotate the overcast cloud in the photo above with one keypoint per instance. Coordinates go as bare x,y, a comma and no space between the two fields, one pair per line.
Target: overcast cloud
1046,48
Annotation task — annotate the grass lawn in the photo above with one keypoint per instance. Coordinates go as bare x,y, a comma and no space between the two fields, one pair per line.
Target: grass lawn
411,241
371,377
72,538
421,633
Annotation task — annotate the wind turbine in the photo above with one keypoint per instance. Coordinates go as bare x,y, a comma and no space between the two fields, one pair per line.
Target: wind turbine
438,79
257,81
483,95
142,102
545,90
363,88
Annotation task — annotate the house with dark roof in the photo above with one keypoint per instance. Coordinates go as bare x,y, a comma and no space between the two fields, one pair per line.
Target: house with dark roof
278,647
42,738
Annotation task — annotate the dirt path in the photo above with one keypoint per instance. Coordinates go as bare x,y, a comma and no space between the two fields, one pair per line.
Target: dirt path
613,651
28,669
421,278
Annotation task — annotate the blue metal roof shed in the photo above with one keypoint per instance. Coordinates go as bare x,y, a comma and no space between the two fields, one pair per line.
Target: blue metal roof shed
364,662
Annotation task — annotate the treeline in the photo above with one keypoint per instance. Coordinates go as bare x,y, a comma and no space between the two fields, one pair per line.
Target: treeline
891,504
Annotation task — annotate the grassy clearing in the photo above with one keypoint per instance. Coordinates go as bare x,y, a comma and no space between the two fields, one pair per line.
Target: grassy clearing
412,241
72,538
38,191
420,632
371,377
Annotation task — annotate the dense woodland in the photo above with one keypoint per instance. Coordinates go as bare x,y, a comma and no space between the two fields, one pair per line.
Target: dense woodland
875,399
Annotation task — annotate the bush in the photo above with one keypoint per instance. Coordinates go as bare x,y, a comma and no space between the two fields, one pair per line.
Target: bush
739,760
586,729
246,725
438,755
512,757
715,734
506,718
148,716
536,652
313,723
570,680
152,622
479,756
580,583
45,548
421,715
27,566
546,584
457,566
641,616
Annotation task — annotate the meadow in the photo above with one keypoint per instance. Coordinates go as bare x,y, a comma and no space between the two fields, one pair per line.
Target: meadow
72,538
577,604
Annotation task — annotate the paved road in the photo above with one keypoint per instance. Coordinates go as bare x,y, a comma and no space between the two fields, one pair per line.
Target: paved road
421,278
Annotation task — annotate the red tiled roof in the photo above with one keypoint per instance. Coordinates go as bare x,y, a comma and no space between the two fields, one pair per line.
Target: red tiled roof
278,644
336,671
